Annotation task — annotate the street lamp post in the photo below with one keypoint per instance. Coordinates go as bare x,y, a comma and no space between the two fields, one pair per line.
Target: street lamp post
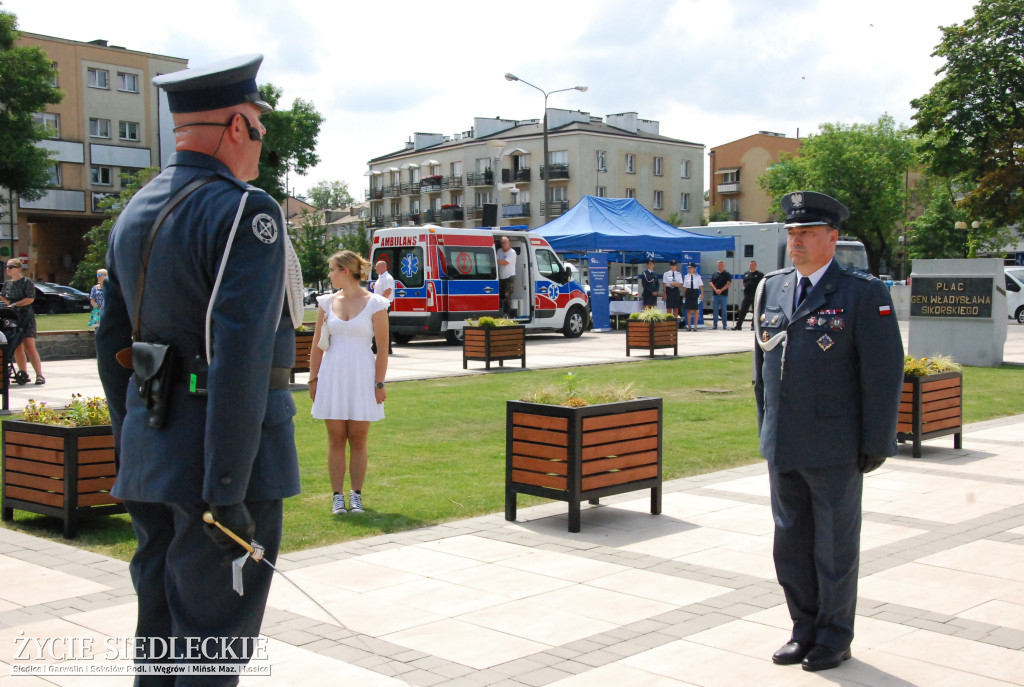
547,163
968,236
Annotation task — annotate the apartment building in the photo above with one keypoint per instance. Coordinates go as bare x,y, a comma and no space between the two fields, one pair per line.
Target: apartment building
735,168
111,123
497,166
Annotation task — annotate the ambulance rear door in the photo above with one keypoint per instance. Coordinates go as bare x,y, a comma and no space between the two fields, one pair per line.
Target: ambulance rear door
471,276
404,255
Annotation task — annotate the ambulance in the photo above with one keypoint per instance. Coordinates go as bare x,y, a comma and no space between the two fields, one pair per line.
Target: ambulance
444,276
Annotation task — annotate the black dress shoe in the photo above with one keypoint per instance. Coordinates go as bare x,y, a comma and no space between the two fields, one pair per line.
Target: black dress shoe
822,657
792,653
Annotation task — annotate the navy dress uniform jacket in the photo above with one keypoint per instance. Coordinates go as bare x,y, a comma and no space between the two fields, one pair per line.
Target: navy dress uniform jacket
236,444
837,394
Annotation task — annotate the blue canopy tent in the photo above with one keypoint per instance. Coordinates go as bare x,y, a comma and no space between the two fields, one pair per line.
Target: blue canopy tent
623,226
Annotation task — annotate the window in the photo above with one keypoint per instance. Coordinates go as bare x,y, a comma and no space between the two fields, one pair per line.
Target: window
53,66
748,250
630,163
48,120
54,180
548,264
128,131
97,198
684,202
99,78
470,262
435,170
684,169
731,205
99,128
731,177
483,164
414,175
601,167
396,178
456,169
128,82
126,174
657,200
101,176
406,264
456,198
559,193
481,199
396,208
559,157
657,166
631,193
601,192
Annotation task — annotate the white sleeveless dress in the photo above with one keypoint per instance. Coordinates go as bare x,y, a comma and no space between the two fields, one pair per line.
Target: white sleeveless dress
345,382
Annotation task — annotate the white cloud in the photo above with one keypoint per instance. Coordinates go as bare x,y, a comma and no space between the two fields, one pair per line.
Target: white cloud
710,71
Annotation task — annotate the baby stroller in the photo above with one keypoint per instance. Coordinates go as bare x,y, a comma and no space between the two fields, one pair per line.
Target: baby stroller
12,328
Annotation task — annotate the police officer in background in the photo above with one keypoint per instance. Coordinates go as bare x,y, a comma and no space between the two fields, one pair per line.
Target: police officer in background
222,286
649,285
828,371
751,279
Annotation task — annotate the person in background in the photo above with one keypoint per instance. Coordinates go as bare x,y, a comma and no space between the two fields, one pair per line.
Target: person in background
20,292
506,258
751,279
828,375
691,290
649,285
96,299
346,382
384,286
671,282
720,282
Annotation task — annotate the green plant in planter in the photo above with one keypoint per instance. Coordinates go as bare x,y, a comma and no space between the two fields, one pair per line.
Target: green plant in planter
650,314
80,412
574,393
491,322
922,367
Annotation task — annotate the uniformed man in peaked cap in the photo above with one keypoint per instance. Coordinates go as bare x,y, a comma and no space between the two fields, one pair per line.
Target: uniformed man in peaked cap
200,261
828,371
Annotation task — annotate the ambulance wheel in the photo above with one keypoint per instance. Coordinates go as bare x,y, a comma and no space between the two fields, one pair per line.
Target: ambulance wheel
454,337
1020,315
575,322
401,339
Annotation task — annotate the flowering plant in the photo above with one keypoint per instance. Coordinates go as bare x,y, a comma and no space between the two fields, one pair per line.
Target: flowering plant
80,412
922,367
651,314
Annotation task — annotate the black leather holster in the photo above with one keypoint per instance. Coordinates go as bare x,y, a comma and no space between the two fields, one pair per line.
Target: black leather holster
154,374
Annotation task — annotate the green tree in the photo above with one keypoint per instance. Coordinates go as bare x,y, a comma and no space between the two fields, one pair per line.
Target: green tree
934,233
26,78
715,215
330,194
314,245
98,238
865,167
357,241
972,120
291,139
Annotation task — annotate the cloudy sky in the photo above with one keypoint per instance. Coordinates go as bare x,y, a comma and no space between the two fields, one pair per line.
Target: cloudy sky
710,71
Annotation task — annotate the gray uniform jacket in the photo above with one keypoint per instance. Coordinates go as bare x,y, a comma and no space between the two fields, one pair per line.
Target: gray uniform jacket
238,442
833,391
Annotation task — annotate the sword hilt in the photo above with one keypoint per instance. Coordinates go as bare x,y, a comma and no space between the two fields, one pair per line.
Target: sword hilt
254,549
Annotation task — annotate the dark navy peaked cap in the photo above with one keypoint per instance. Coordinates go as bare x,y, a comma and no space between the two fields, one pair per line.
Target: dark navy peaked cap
805,208
223,84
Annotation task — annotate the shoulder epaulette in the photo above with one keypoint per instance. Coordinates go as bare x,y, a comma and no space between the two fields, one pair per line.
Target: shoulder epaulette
859,274
784,270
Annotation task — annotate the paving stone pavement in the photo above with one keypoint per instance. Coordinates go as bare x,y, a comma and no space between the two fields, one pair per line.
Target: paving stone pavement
687,597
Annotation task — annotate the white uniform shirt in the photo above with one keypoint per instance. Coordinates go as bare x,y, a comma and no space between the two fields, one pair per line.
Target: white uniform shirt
509,270
671,278
692,281
384,282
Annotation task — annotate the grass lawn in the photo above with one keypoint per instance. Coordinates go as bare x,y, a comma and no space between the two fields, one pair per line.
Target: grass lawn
80,321
440,454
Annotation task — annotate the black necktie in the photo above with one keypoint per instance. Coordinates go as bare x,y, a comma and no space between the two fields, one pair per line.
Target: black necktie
805,286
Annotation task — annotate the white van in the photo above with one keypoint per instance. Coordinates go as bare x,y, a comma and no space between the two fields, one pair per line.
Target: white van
444,276
1015,293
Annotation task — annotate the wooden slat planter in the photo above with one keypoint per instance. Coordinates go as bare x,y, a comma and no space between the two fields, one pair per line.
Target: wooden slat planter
497,344
652,335
303,348
576,454
932,406
64,472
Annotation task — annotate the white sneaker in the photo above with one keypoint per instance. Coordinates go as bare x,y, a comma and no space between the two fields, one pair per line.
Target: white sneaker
338,505
355,502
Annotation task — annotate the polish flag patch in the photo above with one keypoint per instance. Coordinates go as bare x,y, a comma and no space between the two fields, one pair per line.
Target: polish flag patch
884,310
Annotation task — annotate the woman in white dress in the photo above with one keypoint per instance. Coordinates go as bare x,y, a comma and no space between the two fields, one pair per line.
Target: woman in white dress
346,381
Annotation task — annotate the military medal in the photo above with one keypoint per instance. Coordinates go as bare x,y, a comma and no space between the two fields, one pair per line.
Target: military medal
762,317
765,337
825,342
775,318
837,324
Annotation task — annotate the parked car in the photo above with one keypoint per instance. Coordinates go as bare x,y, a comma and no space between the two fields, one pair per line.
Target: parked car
54,298
1015,292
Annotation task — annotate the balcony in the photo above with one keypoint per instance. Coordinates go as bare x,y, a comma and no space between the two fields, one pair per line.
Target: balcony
392,191
411,188
558,171
558,207
731,187
374,193
480,178
375,222
455,182
474,212
516,210
396,220
431,216
432,184
519,176
451,214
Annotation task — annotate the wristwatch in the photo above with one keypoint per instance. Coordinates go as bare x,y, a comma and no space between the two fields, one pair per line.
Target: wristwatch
380,385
